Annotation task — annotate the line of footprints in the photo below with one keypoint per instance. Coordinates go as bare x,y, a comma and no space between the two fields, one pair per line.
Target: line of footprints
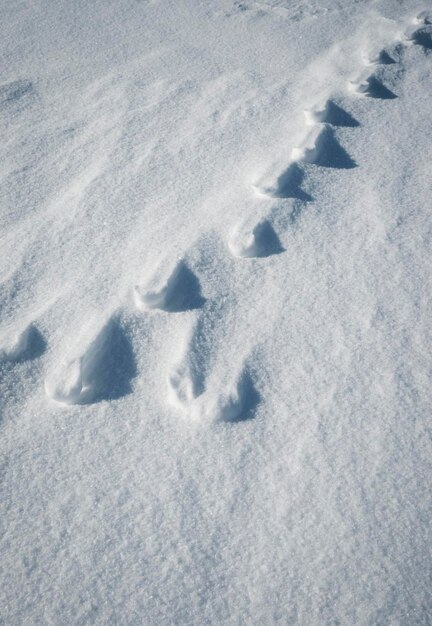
101,367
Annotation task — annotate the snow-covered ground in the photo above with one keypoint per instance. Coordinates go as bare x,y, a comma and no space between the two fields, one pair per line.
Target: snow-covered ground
215,312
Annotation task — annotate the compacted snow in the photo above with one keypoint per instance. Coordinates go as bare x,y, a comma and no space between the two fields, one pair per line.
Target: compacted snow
215,312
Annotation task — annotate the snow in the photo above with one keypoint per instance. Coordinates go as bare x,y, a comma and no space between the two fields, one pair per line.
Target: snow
215,295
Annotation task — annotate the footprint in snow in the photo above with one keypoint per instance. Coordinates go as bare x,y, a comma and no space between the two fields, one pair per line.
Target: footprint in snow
178,291
322,148
23,346
186,378
184,385
287,185
99,369
378,58
371,87
262,241
421,36
330,113
186,393
424,17
238,405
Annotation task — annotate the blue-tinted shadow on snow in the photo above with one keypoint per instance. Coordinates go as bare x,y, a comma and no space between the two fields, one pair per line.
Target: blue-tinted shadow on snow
11,93
336,116
288,185
267,242
29,345
109,365
242,407
423,38
183,291
329,152
376,89
385,59
36,345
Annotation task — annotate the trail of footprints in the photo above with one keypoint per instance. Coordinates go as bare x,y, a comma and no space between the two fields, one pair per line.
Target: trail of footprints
101,365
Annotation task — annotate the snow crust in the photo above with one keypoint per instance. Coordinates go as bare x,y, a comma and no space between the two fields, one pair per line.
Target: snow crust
215,312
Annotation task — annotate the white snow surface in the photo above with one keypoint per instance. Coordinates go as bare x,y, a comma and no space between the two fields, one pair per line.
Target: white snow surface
215,312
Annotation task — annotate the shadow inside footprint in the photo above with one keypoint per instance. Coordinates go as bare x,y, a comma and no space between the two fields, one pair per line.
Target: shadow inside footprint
385,59
27,346
423,38
267,241
183,291
289,184
329,153
110,365
104,370
336,116
36,345
377,90
242,406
